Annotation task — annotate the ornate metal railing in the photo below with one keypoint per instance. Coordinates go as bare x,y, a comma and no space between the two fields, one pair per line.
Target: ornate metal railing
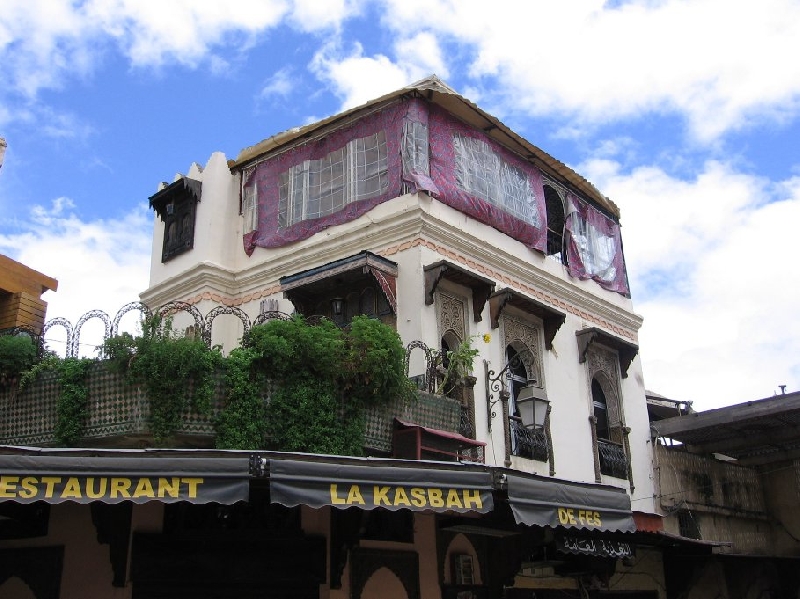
202,324
613,460
528,442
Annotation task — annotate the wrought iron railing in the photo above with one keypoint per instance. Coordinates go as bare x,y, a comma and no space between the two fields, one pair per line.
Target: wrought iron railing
528,442
613,460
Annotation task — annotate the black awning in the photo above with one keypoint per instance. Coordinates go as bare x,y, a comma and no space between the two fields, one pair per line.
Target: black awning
318,484
542,502
137,478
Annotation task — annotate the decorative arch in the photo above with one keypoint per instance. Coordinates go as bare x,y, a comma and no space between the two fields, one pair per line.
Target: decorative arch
524,339
142,308
59,322
179,306
270,315
76,338
612,455
430,363
461,544
219,310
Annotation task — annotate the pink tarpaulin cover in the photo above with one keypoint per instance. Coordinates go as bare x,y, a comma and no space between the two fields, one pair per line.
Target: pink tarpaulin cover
594,246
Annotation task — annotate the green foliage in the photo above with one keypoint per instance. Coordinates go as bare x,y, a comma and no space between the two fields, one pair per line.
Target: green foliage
307,416
176,372
291,386
17,355
321,379
288,349
71,406
457,364
375,363
72,399
49,363
242,424
118,351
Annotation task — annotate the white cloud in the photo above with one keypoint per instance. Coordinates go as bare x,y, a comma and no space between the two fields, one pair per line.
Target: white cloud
279,84
357,78
723,65
313,15
43,43
99,264
712,271
422,54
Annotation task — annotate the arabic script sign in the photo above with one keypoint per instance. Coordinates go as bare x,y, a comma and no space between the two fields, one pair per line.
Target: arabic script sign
599,547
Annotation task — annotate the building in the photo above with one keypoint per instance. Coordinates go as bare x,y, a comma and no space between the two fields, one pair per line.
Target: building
730,477
21,289
420,209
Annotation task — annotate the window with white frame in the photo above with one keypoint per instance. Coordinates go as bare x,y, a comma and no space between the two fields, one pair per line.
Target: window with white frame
250,208
415,148
316,188
482,173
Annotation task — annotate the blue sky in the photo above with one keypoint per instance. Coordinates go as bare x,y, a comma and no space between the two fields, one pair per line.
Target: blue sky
686,114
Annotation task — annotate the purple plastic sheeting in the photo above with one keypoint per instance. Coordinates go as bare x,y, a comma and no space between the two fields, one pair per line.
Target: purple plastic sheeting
443,130
594,246
266,176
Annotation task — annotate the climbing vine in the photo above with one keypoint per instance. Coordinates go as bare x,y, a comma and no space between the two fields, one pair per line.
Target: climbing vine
291,385
176,371
71,413
311,384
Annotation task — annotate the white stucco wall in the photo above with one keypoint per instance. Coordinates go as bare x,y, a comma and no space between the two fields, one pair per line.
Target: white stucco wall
415,231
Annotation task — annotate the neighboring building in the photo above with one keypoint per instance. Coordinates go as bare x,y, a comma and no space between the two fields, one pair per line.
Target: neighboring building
422,210
21,289
731,477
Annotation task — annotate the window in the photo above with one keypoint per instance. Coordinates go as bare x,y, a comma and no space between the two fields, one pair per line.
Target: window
600,410
484,174
250,208
415,149
528,437
555,222
596,250
176,204
316,188
609,434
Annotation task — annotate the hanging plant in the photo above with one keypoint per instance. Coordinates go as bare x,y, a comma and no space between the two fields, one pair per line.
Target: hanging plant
72,374
455,366
71,406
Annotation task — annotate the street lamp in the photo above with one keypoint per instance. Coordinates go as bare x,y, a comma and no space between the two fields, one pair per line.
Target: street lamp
531,400
532,404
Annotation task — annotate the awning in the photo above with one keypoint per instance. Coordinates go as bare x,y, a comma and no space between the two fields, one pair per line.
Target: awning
542,502
627,351
308,286
138,479
318,484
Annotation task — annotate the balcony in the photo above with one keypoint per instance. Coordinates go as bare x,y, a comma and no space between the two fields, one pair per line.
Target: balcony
118,415
527,442
613,460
